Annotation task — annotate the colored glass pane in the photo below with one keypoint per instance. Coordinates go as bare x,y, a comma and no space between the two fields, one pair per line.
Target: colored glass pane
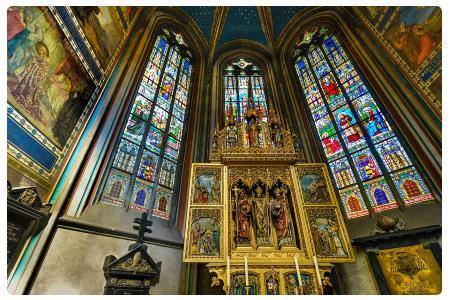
377,128
332,147
318,110
176,128
345,72
162,101
126,155
354,139
178,112
154,139
353,203
365,106
380,195
338,57
393,155
159,119
163,202
167,175
147,90
151,74
142,107
304,74
342,172
321,69
167,86
366,165
315,55
354,88
186,67
331,44
325,127
312,94
171,153
134,129
411,187
344,117
147,166
116,187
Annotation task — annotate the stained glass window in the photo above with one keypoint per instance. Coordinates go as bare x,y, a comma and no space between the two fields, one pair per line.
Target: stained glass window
244,80
144,167
370,166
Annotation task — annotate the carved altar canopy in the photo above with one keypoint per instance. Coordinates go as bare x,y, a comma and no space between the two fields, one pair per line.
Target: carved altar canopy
255,199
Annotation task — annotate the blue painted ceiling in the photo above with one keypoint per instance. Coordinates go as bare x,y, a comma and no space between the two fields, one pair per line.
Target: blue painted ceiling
204,16
242,22
281,15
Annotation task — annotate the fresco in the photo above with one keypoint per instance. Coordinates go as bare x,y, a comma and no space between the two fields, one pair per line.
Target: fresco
102,29
415,32
45,81
373,13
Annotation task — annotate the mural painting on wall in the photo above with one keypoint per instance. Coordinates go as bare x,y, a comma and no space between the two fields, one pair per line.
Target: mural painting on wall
313,186
207,187
415,32
205,233
102,29
411,270
326,235
46,82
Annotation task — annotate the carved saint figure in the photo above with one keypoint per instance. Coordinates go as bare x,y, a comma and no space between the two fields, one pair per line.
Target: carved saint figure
281,217
232,131
243,219
261,218
275,129
253,133
272,283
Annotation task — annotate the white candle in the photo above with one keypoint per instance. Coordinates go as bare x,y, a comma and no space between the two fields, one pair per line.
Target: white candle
299,276
317,271
228,271
246,270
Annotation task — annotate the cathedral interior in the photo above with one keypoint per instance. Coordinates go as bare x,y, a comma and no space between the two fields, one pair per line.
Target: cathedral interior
242,150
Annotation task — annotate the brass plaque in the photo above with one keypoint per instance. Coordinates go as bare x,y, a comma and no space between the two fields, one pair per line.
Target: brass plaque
410,270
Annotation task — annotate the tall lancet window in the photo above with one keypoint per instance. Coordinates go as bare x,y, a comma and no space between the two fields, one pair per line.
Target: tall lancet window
370,165
143,172
243,80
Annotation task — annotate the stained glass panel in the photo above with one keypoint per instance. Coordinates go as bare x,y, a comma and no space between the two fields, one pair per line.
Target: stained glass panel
171,70
315,55
163,202
346,72
332,147
342,172
338,57
134,129
148,90
176,128
159,119
321,69
171,153
162,101
366,165
178,112
151,74
312,94
167,86
380,195
319,111
353,203
331,44
377,128
126,155
142,107
141,195
344,117
167,175
365,106
147,166
355,88
304,73
325,127
116,187
154,139
393,154
354,139
411,187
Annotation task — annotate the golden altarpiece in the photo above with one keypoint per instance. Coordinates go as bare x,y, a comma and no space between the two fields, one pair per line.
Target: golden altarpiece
258,217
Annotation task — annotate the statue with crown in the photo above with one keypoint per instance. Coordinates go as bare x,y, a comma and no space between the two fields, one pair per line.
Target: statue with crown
263,229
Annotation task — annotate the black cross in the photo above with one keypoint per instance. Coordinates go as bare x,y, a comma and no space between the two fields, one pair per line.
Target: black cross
143,226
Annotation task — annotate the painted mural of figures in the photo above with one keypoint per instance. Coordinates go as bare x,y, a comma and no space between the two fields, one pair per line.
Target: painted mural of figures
281,217
314,188
205,237
261,217
207,189
31,79
327,241
243,213
94,31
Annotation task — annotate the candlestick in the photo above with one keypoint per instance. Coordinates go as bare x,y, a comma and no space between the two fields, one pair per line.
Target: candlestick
246,270
228,271
299,276
317,271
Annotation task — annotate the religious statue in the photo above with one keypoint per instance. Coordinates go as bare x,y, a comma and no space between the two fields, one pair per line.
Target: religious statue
243,214
275,129
253,133
272,283
327,286
281,217
232,130
261,218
